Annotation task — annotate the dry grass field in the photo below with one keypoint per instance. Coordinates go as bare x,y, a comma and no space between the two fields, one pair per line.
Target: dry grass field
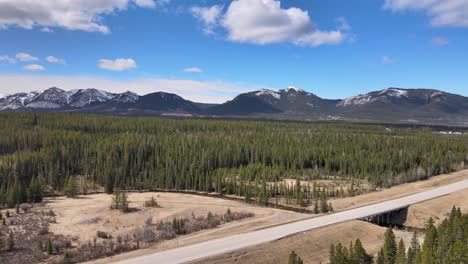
313,246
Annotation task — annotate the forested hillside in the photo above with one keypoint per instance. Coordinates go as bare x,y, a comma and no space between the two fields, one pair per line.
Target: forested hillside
229,157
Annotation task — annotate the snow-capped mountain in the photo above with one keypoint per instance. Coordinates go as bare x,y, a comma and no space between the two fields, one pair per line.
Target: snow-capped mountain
405,104
83,97
387,95
388,105
125,98
18,100
51,98
289,100
55,98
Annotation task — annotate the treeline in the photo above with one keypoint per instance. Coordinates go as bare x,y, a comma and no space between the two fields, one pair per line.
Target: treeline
228,157
445,244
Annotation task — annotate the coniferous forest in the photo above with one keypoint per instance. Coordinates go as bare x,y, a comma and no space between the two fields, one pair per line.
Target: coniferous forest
43,151
444,244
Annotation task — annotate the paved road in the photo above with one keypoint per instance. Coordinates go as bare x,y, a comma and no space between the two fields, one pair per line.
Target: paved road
235,242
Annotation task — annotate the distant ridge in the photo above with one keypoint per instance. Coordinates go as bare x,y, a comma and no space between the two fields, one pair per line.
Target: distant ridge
388,105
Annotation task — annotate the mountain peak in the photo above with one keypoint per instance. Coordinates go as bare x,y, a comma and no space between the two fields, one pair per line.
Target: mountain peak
294,89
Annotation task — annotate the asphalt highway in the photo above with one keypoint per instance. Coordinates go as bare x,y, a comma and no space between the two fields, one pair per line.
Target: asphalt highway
239,241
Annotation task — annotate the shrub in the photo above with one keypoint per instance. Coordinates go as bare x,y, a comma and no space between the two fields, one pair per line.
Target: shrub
151,202
103,235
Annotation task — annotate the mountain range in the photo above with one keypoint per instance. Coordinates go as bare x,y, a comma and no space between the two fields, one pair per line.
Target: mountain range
388,105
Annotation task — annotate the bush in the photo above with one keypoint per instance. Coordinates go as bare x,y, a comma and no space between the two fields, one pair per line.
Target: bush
151,202
103,235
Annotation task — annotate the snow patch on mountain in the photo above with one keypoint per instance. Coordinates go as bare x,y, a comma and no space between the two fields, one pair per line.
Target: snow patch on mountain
270,92
357,100
394,92
294,89
125,98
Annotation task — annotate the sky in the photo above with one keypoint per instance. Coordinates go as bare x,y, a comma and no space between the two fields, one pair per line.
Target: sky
212,50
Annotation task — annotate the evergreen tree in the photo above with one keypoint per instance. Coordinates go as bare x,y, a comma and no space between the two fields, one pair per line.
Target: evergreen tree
70,187
323,204
294,258
413,250
380,257
429,247
10,241
389,248
316,209
2,245
49,248
359,254
401,253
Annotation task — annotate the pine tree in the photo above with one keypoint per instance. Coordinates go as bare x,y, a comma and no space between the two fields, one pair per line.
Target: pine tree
389,248
70,187
413,250
323,204
380,257
429,248
401,253
10,241
316,209
294,258
331,254
49,248
359,254
1,242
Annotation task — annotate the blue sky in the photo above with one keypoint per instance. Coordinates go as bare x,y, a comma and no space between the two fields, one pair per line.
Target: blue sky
212,50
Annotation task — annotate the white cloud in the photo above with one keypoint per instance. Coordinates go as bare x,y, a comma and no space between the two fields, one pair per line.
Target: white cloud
69,14
387,60
117,64
25,57
47,30
209,16
193,70
198,91
266,22
34,67
52,59
441,12
440,41
145,3
7,59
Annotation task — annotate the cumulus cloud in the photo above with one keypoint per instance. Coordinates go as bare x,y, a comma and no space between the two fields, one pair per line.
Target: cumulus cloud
198,91
440,41
25,57
52,59
441,12
266,22
209,16
34,67
72,15
7,59
117,64
193,70
387,60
